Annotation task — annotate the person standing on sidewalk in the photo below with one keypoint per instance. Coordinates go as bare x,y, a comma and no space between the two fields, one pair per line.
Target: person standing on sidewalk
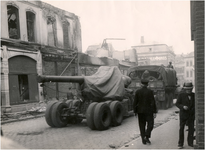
144,105
186,104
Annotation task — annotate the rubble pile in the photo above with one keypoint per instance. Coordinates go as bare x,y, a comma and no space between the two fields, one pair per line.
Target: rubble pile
34,111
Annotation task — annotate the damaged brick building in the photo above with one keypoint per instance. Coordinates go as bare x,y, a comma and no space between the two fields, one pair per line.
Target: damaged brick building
36,38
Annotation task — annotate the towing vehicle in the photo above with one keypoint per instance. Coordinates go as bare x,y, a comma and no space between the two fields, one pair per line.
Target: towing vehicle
162,81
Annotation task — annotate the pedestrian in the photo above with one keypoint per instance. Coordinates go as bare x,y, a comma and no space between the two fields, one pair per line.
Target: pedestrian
70,95
186,104
144,105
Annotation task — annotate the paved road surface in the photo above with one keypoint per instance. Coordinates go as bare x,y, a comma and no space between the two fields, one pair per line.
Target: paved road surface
36,134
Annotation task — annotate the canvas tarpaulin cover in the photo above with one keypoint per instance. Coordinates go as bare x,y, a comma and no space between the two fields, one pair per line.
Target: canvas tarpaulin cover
106,84
168,74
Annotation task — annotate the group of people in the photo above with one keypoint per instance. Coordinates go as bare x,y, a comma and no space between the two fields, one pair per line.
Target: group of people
144,107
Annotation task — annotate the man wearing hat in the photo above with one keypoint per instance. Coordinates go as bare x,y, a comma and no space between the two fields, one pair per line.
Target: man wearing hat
186,104
144,105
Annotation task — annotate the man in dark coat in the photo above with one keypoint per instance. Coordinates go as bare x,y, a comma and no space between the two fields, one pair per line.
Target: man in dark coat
145,106
186,104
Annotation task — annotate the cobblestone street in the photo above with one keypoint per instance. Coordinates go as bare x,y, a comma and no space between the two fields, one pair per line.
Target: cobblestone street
36,134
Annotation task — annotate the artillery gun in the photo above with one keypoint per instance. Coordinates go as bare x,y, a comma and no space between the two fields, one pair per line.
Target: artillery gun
104,101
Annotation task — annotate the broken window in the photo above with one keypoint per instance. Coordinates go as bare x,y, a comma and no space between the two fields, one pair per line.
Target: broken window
30,18
13,22
66,26
51,32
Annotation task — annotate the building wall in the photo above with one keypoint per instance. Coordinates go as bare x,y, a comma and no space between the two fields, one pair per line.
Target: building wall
197,35
53,89
158,54
44,55
180,67
189,69
118,55
22,7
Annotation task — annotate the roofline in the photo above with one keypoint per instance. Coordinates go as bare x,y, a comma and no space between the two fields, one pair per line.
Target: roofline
149,45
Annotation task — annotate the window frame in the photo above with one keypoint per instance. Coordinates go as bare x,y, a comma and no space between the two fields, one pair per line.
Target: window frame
16,11
66,44
187,63
191,63
187,74
52,21
33,21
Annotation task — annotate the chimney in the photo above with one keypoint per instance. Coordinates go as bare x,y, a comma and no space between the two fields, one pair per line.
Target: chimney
142,39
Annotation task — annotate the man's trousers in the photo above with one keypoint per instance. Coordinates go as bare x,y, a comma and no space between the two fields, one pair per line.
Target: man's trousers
146,119
190,124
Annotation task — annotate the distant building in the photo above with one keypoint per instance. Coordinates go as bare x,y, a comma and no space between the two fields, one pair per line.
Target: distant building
100,50
126,58
180,68
184,66
189,67
157,54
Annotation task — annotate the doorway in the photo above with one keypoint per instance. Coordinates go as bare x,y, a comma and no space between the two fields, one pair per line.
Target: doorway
23,87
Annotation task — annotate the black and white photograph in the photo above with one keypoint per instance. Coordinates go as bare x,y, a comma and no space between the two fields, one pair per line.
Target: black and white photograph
104,74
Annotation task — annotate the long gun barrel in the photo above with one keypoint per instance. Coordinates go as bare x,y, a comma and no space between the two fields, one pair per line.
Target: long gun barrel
74,79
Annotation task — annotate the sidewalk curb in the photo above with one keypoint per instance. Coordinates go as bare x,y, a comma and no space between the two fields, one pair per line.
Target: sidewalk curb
22,119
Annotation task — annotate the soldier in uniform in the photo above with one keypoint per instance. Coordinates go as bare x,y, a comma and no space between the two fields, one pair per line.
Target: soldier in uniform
144,105
170,65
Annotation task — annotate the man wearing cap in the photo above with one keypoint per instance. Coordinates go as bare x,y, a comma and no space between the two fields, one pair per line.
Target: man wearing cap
144,105
170,65
186,104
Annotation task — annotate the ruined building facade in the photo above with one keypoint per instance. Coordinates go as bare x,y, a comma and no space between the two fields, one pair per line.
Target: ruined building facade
36,38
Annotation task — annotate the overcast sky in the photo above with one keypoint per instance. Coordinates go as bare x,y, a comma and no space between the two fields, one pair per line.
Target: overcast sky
164,22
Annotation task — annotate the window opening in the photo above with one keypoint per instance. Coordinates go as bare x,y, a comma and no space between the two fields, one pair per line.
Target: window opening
187,73
191,73
51,32
190,63
23,87
30,18
13,22
66,27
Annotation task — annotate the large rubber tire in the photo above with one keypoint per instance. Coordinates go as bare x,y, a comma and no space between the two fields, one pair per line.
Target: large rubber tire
116,113
108,102
48,114
102,116
57,119
90,115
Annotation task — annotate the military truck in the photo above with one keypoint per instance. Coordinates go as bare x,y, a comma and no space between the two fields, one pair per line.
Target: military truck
162,81
103,101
